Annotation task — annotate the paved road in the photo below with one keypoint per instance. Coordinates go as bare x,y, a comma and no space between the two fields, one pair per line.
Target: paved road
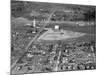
33,40
59,52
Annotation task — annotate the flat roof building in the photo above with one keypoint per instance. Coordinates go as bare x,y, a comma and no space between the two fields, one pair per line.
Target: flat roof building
56,28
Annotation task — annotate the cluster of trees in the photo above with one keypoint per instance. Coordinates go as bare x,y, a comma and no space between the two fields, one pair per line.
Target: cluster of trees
22,9
74,16
67,16
90,15
19,9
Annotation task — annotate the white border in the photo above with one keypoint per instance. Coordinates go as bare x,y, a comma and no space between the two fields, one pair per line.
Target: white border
83,2
5,37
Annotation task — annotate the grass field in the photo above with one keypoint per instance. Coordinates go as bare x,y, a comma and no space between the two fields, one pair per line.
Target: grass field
84,29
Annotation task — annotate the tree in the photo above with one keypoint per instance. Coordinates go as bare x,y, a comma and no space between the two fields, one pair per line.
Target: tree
90,15
18,8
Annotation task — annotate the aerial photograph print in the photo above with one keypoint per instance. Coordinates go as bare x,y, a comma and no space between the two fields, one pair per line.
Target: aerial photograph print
52,37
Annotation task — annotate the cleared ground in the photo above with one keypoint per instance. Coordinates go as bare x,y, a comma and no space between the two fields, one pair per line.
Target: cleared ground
54,35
